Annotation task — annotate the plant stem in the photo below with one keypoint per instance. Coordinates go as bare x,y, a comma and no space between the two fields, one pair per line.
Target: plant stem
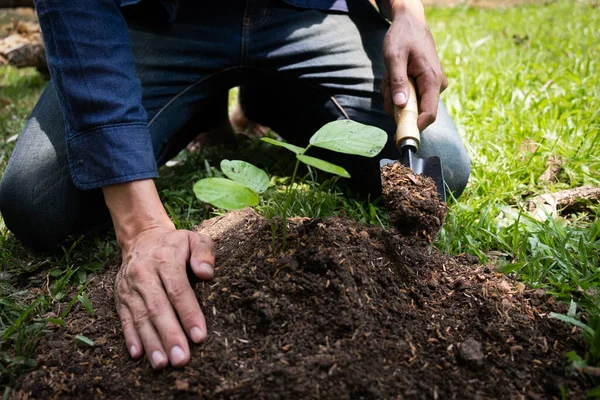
286,204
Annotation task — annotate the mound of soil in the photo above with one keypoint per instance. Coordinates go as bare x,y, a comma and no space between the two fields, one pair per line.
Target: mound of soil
347,312
413,202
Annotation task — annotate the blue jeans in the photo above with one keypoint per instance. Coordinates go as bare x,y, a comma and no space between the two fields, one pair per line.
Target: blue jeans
298,70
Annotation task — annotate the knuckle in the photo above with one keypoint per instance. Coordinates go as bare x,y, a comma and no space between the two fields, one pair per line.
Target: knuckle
126,322
140,317
155,308
122,297
206,240
179,291
444,85
188,315
390,53
122,293
136,272
399,80
430,118
162,254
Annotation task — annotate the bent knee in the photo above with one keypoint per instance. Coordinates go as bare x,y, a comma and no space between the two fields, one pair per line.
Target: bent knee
457,173
30,226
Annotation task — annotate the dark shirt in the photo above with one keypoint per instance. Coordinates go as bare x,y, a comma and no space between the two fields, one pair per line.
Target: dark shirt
92,67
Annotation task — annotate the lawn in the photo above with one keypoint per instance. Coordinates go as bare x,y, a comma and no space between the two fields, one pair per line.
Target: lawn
523,92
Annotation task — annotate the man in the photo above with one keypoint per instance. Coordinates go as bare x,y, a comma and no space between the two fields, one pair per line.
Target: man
136,80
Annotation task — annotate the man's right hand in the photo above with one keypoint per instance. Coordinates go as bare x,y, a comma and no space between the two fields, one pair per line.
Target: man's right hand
409,51
152,291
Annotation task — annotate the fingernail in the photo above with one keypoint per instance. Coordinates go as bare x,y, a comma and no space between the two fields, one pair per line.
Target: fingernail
196,334
203,268
399,98
177,355
206,267
133,351
157,358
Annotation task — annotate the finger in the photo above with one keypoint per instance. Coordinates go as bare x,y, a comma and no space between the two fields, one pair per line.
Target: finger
182,297
166,330
132,339
258,129
397,63
444,82
429,92
151,341
202,259
388,105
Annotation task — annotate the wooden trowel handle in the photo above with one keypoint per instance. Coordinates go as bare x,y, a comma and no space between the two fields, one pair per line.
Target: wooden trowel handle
406,118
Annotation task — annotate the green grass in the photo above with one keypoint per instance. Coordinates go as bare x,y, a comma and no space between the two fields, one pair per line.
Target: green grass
523,88
19,90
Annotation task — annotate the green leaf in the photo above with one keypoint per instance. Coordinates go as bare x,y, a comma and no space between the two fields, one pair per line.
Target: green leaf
595,392
82,276
572,321
349,137
290,147
246,174
324,166
224,193
57,321
83,299
572,309
84,340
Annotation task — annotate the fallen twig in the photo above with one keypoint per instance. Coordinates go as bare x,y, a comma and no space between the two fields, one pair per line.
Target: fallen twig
539,207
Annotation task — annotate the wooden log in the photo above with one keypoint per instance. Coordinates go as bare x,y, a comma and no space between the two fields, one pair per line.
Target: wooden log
548,204
23,47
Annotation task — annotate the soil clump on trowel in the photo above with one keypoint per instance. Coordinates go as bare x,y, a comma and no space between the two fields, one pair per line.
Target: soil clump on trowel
412,201
346,312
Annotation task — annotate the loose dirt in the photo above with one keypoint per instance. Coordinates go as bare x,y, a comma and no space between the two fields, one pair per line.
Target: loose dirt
346,312
412,201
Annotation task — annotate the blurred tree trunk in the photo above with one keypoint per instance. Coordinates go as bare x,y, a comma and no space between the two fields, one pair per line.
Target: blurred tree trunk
15,3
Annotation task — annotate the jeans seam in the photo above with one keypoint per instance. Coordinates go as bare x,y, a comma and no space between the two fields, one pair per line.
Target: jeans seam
185,90
245,33
78,135
123,178
262,19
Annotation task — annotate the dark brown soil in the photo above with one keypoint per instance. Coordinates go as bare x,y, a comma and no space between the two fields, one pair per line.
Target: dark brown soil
412,201
348,312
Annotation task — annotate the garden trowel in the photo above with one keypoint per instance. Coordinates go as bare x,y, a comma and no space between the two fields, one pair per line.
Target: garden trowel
408,140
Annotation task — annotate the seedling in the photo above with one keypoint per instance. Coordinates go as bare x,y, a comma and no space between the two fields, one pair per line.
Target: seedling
246,181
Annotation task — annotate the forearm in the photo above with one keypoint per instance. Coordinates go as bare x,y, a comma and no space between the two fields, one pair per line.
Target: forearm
134,207
93,71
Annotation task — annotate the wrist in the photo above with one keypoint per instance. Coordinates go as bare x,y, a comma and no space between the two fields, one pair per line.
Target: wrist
402,8
135,207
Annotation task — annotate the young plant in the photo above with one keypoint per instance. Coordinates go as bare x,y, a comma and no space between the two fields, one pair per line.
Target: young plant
246,181
241,190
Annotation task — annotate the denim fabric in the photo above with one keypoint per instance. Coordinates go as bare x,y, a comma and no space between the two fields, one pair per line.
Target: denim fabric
90,61
298,69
